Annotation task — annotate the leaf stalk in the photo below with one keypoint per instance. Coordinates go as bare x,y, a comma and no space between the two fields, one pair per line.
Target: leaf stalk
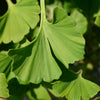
43,15
10,4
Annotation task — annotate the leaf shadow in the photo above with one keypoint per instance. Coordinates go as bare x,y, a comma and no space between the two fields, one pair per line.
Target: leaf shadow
67,75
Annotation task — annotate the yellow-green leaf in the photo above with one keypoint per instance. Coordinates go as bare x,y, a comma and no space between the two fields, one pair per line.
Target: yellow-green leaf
17,21
76,89
3,86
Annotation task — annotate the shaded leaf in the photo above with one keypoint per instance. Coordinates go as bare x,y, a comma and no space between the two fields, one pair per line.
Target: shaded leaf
6,47
3,86
68,6
98,98
39,93
17,91
5,63
23,43
3,7
18,20
76,89
97,21
89,7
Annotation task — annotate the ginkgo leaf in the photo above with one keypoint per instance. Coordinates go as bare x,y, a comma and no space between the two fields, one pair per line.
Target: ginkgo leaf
3,86
16,90
5,62
97,17
81,21
97,21
23,43
98,98
76,89
66,43
40,94
18,20
89,7
35,62
68,6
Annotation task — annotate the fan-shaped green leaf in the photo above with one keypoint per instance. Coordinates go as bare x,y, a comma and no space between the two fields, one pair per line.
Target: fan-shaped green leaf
3,86
40,94
35,62
81,21
18,20
66,43
76,89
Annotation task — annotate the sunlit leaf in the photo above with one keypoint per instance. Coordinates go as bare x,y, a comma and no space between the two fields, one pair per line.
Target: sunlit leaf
97,21
81,21
18,20
76,89
3,86
34,65
35,62
39,93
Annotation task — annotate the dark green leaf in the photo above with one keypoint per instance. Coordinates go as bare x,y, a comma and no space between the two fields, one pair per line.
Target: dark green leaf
5,63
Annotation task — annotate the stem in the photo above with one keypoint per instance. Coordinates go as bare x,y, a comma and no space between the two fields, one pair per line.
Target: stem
9,3
80,72
43,15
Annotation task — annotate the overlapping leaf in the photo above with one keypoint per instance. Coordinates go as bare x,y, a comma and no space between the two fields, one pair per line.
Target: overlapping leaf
75,89
39,93
5,63
97,16
68,6
89,7
18,20
98,98
97,21
66,43
35,62
16,90
81,21
3,86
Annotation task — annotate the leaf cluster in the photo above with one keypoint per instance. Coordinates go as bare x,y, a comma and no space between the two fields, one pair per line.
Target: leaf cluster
47,47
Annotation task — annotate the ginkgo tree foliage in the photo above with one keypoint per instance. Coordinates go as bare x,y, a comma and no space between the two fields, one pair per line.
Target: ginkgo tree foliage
37,55
4,92
16,29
